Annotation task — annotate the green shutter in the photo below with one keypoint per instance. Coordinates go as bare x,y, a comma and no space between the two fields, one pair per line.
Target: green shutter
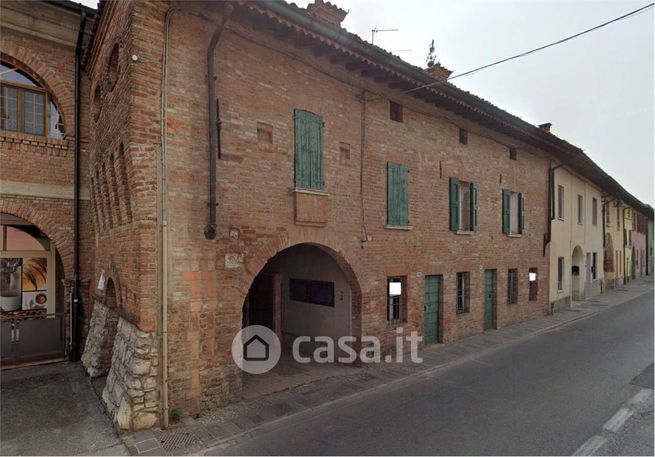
397,197
506,210
521,213
454,204
308,150
474,206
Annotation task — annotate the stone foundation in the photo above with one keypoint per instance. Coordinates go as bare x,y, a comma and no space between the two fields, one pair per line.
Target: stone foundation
131,394
98,348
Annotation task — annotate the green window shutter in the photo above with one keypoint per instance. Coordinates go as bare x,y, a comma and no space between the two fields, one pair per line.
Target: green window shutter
397,196
454,204
506,211
474,206
308,161
521,213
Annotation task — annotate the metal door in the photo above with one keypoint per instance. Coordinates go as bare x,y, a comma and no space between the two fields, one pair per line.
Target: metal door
432,304
489,298
30,339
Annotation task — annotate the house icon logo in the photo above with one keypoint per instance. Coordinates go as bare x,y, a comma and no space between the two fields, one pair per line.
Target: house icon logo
256,349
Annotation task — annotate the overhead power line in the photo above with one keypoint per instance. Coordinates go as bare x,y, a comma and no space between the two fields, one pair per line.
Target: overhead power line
541,48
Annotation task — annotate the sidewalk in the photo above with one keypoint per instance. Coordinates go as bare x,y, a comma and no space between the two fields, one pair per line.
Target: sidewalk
192,436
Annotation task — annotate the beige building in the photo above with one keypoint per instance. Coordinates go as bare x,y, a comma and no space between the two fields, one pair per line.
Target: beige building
616,254
576,250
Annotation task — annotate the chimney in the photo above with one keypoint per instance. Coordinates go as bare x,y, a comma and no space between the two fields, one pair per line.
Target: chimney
437,71
545,127
327,12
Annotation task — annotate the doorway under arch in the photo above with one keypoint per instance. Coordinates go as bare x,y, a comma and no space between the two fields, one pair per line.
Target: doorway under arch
577,274
302,291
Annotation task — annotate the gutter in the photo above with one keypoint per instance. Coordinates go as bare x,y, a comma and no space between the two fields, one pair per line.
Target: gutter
214,125
74,353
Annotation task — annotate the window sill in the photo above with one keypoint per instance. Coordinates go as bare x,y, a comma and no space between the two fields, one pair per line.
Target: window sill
465,232
459,313
17,137
302,190
395,324
515,235
398,227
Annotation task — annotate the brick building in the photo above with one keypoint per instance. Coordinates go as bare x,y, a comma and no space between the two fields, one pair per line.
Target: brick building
316,185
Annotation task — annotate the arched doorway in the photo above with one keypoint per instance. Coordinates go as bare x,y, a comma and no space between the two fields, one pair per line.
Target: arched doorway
577,274
302,291
32,309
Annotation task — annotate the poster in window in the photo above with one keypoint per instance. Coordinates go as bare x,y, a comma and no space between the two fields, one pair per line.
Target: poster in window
35,283
10,283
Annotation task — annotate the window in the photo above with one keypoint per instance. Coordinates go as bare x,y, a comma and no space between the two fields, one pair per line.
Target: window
512,153
463,206
533,284
513,213
594,211
560,273
463,136
395,111
607,214
618,218
397,199
310,291
512,286
580,209
308,150
594,262
396,298
463,292
560,202
25,106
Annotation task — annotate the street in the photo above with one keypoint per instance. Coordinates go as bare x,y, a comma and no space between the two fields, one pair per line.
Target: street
544,395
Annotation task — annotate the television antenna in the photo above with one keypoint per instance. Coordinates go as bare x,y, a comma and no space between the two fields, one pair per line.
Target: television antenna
377,30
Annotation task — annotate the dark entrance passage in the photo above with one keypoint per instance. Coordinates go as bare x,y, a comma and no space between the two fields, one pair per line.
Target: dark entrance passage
260,303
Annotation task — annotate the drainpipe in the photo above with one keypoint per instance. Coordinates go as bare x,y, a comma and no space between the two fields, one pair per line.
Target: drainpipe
214,123
362,146
74,324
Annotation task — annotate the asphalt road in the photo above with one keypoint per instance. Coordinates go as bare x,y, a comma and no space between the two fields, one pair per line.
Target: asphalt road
543,395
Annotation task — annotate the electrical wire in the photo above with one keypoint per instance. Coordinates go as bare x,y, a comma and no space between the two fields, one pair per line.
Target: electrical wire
541,48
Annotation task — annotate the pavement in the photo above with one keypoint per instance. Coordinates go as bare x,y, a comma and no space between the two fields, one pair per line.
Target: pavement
281,420
53,410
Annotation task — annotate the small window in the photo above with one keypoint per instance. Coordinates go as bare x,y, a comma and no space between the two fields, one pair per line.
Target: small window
463,292
396,298
594,211
594,263
463,206
112,68
463,136
580,209
310,291
513,213
560,202
395,111
512,153
512,286
397,198
533,284
560,273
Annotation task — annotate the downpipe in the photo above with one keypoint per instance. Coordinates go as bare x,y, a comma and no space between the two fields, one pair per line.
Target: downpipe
214,125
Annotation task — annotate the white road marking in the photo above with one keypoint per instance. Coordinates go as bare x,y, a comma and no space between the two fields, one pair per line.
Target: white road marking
640,397
590,446
618,419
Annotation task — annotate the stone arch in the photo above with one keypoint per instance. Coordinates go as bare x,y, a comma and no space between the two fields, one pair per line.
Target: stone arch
59,90
328,243
63,241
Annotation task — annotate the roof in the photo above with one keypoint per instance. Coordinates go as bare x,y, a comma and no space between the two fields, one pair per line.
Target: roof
455,99
72,6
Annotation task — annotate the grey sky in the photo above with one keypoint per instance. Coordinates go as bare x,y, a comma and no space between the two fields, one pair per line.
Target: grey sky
597,90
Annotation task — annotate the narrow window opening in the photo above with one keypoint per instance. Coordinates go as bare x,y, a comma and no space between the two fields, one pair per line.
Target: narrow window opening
396,299
463,292
512,153
463,136
396,111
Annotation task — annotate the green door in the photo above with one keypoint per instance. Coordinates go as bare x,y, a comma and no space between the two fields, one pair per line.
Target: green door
431,309
489,298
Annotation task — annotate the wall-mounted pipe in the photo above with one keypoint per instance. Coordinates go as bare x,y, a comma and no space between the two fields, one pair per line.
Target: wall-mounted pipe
214,122
74,352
